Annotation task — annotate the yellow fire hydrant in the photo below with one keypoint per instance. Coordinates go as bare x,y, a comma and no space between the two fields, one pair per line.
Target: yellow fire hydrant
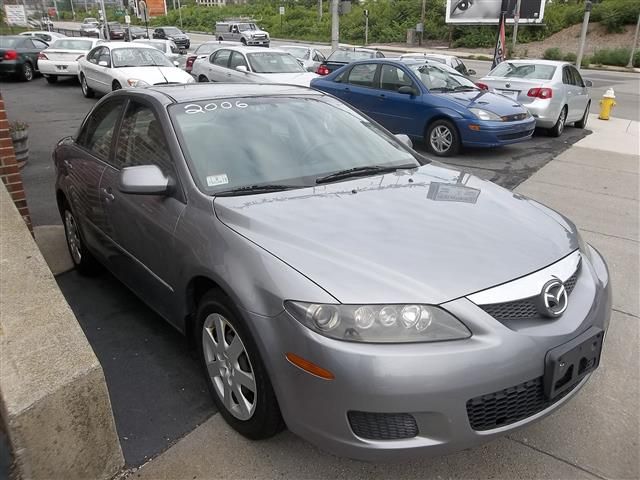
607,102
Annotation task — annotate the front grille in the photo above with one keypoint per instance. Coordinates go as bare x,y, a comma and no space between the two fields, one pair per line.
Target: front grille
383,426
524,308
510,405
513,136
515,118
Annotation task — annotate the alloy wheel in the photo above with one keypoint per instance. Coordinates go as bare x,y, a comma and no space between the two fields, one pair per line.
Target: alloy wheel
229,367
73,237
441,139
83,84
28,72
561,120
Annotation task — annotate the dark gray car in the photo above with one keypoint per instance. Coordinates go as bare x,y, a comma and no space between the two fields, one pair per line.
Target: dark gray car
379,304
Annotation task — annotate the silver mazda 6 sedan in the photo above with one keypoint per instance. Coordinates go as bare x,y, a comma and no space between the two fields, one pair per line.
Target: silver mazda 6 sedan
335,281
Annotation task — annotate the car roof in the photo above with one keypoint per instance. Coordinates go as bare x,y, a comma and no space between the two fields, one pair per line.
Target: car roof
93,39
555,63
243,49
114,45
209,91
356,49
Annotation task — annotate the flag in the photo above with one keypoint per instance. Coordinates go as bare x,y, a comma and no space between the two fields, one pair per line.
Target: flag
499,55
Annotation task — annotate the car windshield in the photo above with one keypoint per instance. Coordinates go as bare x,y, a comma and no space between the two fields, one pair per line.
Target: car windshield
68,44
247,26
115,26
348,56
294,141
9,42
90,20
139,57
523,70
273,62
207,48
172,31
438,79
298,52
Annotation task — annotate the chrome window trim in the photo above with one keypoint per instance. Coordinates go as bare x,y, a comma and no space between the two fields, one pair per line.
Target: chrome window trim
529,285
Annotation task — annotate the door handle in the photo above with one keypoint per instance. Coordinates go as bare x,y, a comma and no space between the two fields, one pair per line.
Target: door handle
382,96
108,196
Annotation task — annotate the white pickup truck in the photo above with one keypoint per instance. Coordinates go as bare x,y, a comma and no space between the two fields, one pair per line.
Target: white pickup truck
248,33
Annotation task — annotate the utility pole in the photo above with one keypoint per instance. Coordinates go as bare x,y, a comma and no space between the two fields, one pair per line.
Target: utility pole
635,43
335,25
516,19
180,13
73,12
366,27
319,9
422,17
583,33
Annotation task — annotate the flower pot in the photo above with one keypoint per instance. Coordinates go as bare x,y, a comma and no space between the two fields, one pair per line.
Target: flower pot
21,147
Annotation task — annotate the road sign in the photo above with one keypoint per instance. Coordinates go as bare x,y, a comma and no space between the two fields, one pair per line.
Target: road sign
281,10
419,27
15,15
127,19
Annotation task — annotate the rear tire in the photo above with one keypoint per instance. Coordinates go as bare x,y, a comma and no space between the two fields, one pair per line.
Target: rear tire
203,79
442,138
87,91
558,128
26,72
220,39
583,121
51,78
256,414
84,262
243,42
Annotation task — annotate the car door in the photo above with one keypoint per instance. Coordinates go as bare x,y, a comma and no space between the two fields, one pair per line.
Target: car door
398,112
142,226
30,49
84,167
581,93
238,60
89,67
218,68
103,71
234,32
572,94
359,89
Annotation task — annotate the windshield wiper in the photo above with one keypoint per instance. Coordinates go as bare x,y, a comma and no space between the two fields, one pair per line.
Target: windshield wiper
251,189
464,88
361,171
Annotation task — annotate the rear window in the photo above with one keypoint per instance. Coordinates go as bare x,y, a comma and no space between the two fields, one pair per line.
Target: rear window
523,70
207,48
348,56
65,44
9,42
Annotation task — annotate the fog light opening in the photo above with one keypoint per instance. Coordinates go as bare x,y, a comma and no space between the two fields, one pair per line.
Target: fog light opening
309,367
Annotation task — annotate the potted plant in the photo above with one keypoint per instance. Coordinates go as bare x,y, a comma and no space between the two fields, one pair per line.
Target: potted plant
20,135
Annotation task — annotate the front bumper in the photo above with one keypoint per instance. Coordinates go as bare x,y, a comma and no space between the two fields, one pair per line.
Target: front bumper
431,382
58,68
494,134
258,43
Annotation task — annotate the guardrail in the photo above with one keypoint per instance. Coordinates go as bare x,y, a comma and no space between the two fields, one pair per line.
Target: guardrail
71,33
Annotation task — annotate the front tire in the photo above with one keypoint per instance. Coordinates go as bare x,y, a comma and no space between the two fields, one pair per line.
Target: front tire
234,371
558,128
87,91
585,117
220,39
116,86
243,42
442,138
84,262
202,79
51,78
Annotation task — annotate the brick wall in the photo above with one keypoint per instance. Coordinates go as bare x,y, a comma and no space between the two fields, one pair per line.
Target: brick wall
9,172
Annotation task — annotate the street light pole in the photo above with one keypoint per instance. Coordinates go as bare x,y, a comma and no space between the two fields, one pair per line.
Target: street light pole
180,13
516,19
635,43
422,16
335,25
583,33
319,9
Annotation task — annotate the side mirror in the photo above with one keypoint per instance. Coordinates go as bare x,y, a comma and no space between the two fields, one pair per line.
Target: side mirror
175,62
588,83
407,90
471,72
404,139
144,180
242,68
103,63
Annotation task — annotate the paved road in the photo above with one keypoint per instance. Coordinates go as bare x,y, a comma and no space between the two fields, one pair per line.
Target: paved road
157,392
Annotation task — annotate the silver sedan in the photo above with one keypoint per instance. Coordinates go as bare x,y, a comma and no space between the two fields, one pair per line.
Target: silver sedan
554,92
310,58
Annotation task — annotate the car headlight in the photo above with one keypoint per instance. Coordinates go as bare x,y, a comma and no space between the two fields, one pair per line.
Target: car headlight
403,323
134,82
485,114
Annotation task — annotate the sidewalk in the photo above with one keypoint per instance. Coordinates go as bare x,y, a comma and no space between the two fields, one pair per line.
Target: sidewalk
595,183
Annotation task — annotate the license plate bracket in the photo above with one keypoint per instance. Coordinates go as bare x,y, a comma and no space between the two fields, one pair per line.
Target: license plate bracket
568,364
513,95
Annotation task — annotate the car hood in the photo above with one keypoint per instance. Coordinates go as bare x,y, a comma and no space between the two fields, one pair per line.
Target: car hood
156,75
430,235
497,104
303,78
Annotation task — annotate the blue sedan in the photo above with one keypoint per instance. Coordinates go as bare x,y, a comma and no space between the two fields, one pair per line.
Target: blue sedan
426,101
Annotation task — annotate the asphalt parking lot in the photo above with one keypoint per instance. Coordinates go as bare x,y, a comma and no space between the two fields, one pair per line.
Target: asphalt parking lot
156,388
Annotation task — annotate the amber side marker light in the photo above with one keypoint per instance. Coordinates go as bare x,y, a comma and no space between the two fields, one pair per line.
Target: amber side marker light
475,128
309,367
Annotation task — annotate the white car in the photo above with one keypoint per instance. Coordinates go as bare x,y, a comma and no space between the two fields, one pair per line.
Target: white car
311,58
61,58
45,36
168,47
251,65
112,66
449,60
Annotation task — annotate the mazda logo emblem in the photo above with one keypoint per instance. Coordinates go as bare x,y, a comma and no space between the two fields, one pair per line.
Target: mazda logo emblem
553,299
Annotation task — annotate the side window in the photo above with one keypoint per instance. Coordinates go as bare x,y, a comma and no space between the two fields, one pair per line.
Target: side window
392,78
577,77
379,55
97,133
318,57
363,74
39,44
237,59
566,76
141,140
93,55
105,56
221,58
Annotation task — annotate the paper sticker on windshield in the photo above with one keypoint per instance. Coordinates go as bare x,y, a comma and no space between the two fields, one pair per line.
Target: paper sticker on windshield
215,180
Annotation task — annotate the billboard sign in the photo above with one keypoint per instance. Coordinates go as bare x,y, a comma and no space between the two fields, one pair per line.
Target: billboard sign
15,15
487,12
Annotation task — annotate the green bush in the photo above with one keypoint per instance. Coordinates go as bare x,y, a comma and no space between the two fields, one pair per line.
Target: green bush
586,61
612,56
553,53
570,57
